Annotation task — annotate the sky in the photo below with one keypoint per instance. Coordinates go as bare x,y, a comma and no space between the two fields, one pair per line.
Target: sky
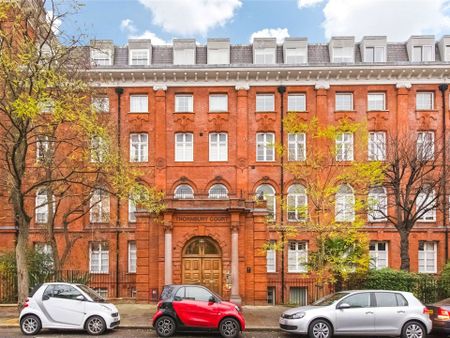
241,20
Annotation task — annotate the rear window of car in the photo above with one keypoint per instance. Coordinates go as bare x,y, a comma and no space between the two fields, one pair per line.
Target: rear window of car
166,292
390,299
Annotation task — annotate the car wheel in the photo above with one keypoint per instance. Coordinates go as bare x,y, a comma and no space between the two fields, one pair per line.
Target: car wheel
229,328
414,330
320,329
165,326
95,325
30,325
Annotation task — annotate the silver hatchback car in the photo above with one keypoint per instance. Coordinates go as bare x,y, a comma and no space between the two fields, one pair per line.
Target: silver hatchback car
360,313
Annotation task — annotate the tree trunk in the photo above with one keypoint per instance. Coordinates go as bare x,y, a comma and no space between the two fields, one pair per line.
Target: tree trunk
23,281
404,250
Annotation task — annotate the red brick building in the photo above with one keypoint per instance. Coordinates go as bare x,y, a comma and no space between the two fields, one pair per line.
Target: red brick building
200,122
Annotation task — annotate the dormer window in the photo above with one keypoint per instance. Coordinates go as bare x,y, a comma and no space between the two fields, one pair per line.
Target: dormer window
374,54
184,57
265,56
218,56
139,57
342,54
296,55
422,53
101,57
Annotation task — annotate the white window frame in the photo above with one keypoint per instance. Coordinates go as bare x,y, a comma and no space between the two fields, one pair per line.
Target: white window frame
218,149
296,56
215,106
132,257
269,195
176,193
267,146
214,195
97,149
271,260
42,206
265,56
297,102
345,54
341,104
345,204
265,102
425,145
139,61
419,53
184,103
370,54
101,57
378,204
138,147
373,105
184,148
131,210
298,252
102,255
100,103
42,147
138,103
99,206
344,147
297,199
47,106
423,199
424,100
377,146
218,56
297,147
184,56
376,255
426,254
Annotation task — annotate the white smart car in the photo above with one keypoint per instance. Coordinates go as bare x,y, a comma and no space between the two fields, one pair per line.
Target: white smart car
67,306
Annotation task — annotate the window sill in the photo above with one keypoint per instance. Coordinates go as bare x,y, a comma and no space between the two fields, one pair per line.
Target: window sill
265,112
262,161
183,112
378,111
344,111
219,112
297,111
138,113
99,273
426,110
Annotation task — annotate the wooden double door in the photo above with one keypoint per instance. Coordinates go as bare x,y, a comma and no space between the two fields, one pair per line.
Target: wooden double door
202,264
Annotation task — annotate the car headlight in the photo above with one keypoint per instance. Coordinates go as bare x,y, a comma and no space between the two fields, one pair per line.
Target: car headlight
238,309
298,315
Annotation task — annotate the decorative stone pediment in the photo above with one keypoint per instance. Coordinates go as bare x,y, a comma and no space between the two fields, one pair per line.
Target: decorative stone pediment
426,120
218,122
378,120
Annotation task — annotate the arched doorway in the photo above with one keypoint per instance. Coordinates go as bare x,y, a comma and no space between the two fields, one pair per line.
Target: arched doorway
202,263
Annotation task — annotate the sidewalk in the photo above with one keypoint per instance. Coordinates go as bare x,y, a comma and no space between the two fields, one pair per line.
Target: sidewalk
140,315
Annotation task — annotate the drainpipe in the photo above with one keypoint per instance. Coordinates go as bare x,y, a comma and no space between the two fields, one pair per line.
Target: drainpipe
119,92
443,88
282,90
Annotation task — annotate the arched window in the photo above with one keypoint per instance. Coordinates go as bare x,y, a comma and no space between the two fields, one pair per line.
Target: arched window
42,205
377,204
218,191
345,204
184,191
297,203
267,193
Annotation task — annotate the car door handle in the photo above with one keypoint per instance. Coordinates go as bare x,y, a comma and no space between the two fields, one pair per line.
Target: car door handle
369,313
400,311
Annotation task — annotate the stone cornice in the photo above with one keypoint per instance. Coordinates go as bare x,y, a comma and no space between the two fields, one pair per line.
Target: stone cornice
243,78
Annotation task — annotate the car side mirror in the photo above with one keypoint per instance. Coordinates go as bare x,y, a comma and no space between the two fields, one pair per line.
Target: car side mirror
80,298
212,299
45,297
344,306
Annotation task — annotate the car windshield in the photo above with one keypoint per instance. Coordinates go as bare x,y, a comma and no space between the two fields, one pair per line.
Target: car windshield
167,292
330,299
91,293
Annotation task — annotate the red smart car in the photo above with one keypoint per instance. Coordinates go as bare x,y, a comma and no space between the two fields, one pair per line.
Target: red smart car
195,308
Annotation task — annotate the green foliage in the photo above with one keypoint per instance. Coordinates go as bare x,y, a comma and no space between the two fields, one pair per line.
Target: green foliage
389,279
444,281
